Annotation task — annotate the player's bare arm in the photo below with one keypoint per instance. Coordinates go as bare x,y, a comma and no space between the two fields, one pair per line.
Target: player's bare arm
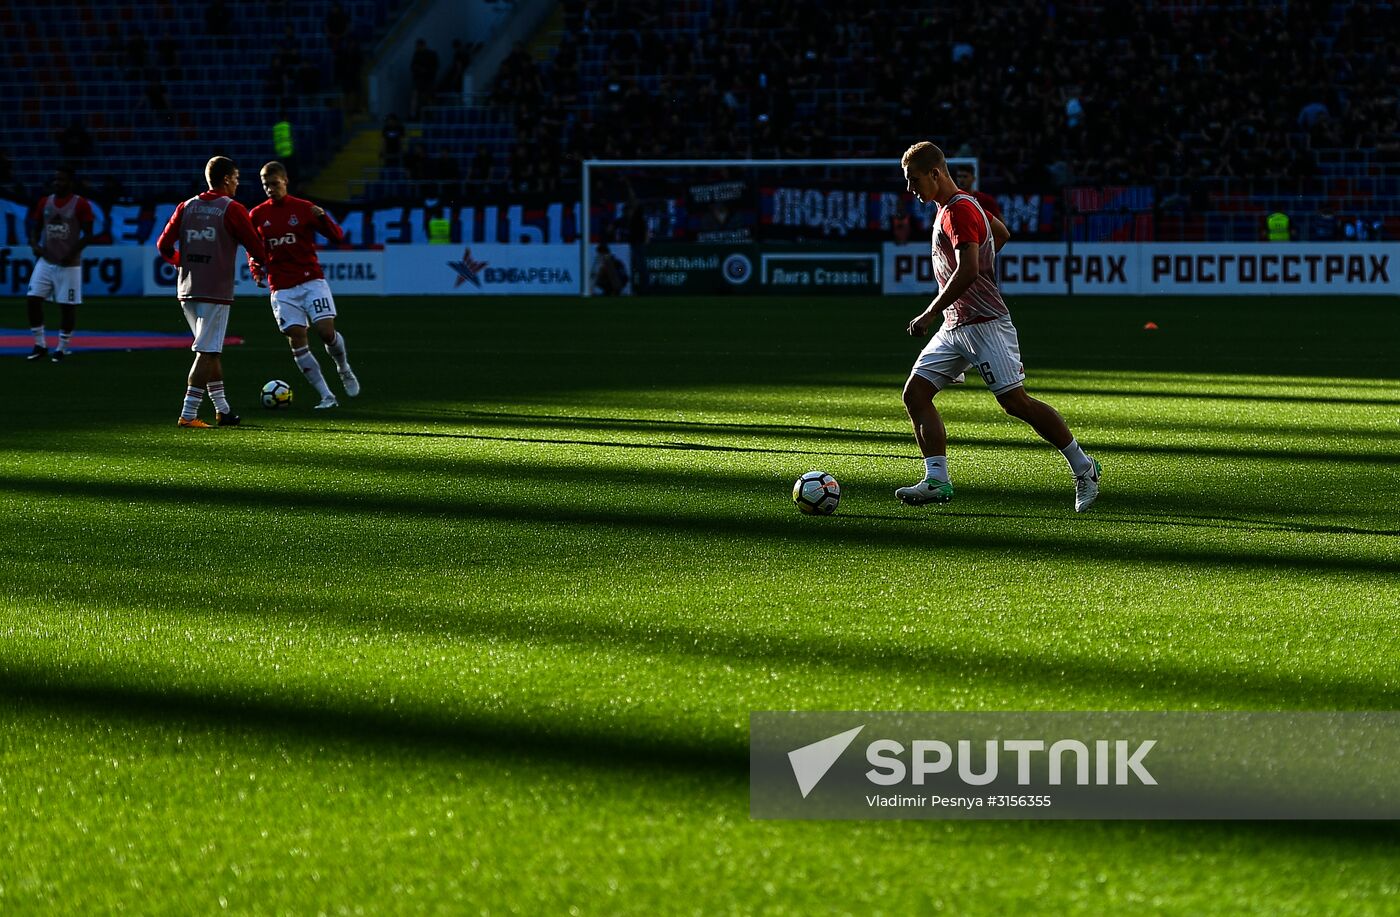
963,277
1000,234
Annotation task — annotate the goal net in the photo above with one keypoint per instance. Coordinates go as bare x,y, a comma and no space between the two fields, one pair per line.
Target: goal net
715,226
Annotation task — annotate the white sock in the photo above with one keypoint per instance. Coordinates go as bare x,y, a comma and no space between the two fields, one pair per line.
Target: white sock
63,338
39,340
216,395
1079,463
936,468
336,349
193,396
312,370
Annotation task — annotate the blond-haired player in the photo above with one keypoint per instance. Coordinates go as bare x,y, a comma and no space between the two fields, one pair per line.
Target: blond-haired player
976,333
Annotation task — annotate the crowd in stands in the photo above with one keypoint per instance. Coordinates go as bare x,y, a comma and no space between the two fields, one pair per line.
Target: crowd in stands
1044,93
141,89
1167,93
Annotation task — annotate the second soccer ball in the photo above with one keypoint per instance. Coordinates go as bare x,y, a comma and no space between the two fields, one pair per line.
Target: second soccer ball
276,394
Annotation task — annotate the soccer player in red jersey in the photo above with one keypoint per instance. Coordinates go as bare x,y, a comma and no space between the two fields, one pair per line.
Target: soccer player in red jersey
60,227
207,229
976,333
300,295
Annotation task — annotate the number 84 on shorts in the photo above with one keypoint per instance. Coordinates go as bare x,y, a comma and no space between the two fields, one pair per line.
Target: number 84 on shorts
304,304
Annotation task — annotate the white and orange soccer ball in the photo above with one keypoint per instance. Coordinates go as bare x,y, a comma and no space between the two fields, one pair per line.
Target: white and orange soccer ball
816,493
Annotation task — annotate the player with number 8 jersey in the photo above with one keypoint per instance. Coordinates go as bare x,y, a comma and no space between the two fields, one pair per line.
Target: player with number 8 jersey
301,298
60,227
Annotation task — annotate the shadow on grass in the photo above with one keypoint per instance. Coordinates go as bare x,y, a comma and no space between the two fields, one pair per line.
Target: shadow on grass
618,444
1089,390
1216,523
851,530
479,735
717,764
902,435
816,433
1271,397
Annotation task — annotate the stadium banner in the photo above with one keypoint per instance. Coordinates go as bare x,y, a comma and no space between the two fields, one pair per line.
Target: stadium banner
1176,268
1074,765
840,211
820,269
481,270
349,273
1270,269
676,268
710,270
837,212
1027,268
108,270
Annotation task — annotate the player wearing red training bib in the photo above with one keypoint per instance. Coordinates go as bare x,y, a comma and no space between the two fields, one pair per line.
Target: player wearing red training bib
977,333
60,227
202,240
301,297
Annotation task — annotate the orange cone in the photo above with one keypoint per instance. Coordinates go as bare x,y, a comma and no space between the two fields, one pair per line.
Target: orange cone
1150,326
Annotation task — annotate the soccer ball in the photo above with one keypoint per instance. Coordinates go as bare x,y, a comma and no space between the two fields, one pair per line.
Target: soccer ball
816,493
276,394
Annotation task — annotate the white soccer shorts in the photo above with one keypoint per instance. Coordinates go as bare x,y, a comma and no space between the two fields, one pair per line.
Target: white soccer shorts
304,304
208,322
57,283
991,348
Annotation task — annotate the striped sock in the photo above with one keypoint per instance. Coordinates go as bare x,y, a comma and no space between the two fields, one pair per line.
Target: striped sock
193,396
216,395
63,338
39,340
312,370
336,349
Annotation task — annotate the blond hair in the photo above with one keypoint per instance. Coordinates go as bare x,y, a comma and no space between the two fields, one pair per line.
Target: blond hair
923,157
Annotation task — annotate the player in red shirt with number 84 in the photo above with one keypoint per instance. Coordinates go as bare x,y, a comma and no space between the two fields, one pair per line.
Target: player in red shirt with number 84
300,295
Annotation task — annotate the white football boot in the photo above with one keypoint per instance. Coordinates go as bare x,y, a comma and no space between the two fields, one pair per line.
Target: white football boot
927,491
352,385
1086,487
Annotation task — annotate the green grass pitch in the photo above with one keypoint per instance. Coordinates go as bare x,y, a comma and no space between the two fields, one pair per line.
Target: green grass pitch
486,639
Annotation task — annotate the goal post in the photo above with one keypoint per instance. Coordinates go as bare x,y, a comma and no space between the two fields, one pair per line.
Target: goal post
882,176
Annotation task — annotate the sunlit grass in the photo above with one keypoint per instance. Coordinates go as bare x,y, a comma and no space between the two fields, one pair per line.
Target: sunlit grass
487,638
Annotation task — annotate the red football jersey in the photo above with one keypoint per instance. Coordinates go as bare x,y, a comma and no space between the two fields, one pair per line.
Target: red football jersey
288,227
961,220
